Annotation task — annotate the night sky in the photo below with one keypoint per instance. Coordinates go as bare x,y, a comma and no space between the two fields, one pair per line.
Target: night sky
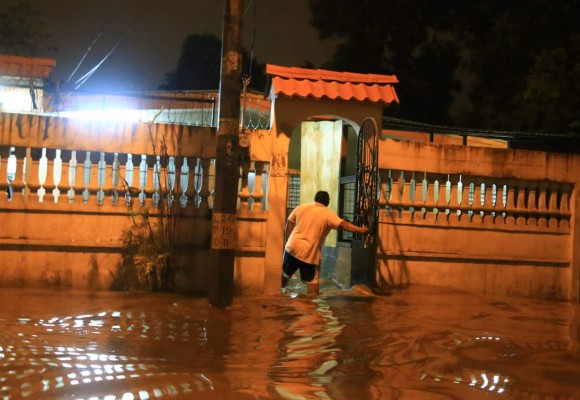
156,30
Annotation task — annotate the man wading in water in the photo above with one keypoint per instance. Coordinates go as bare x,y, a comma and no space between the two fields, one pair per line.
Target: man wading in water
306,230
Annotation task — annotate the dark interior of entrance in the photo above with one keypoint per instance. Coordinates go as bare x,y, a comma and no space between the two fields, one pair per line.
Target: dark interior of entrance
336,260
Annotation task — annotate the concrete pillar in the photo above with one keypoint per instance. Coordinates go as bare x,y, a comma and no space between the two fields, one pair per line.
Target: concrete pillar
320,163
574,295
276,220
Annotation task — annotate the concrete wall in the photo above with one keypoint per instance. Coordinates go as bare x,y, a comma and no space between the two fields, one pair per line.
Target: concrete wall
63,204
515,235
485,220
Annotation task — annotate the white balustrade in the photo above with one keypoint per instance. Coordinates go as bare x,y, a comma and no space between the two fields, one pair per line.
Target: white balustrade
50,173
412,194
507,201
198,179
87,166
157,181
244,193
129,172
42,173
101,173
115,178
143,172
260,186
184,182
11,167
170,181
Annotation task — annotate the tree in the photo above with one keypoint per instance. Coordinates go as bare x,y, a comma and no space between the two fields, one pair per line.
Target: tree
406,38
520,57
523,56
198,67
551,100
19,31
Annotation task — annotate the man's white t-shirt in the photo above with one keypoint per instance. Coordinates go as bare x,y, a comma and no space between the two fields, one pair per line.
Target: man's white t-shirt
312,224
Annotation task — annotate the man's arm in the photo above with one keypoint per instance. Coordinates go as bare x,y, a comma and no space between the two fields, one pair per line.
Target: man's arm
289,228
347,226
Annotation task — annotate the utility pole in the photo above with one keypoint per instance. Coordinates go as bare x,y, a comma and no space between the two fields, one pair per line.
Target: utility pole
223,242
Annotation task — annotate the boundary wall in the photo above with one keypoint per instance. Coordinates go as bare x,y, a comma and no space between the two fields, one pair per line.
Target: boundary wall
485,220
68,189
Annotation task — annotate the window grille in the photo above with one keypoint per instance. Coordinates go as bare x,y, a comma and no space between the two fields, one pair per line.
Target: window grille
346,205
293,191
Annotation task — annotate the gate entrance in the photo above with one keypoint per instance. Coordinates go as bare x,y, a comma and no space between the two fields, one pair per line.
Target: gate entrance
366,204
347,259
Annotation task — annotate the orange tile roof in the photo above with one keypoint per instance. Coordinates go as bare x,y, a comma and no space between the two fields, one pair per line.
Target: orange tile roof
26,67
318,83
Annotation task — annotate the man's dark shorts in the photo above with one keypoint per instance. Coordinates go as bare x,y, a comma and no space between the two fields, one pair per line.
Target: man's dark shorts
290,264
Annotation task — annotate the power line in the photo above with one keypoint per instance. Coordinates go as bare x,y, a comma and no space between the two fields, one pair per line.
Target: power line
253,2
83,57
91,47
79,82
86,76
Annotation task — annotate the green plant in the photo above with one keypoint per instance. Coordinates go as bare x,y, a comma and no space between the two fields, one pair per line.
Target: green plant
147,260
147,251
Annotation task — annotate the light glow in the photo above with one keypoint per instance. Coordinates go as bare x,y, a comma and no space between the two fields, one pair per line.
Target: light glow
104,115
16,99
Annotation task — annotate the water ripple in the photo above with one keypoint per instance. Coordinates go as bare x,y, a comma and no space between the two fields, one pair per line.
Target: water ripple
418,343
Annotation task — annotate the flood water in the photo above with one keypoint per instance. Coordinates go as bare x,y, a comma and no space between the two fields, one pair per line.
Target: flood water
418,343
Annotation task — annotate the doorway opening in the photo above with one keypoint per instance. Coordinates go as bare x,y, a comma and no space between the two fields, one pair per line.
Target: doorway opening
322,156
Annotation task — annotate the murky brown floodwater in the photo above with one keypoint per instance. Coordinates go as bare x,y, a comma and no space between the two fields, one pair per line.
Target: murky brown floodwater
420,343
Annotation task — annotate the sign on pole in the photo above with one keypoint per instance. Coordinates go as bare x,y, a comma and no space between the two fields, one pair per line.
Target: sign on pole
224,231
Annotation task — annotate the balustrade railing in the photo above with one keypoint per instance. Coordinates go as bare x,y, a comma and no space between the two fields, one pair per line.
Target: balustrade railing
253,186
97,178
415,195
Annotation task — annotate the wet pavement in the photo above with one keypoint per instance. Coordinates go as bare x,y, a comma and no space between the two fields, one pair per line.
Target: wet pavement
418,343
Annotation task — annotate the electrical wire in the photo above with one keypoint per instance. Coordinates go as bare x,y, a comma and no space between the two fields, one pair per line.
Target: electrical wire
86,76
105,26
252,3
79,82
248,7
246,78
84,56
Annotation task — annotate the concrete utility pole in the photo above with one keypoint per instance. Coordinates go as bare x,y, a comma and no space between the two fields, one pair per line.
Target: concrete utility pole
221,274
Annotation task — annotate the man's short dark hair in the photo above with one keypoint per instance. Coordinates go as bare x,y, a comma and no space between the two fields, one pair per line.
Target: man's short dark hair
322,197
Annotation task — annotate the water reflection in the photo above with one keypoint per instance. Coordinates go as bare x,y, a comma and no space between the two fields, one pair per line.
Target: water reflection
420,343
308,352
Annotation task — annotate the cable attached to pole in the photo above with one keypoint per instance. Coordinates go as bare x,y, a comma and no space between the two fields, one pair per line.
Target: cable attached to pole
84,56
79,82
244,140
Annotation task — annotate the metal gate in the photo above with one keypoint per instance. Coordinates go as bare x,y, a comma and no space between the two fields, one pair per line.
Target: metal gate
367,176
366,203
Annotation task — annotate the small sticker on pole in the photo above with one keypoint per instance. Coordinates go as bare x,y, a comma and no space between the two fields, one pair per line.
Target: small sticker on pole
279,165
223,231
